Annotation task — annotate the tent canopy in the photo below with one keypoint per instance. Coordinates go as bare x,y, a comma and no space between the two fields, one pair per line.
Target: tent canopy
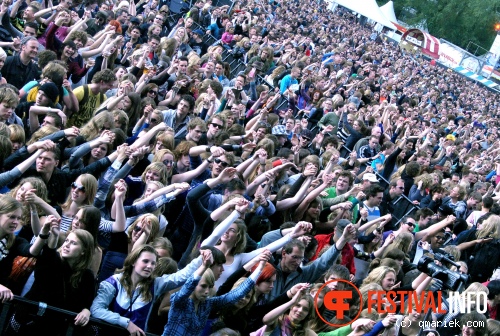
428,43
388,11
368,8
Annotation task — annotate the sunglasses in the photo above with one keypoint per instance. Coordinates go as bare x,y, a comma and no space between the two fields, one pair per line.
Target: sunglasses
77,187
222,163
216,125
153,92
411,224
154,120
305,138
137,228
168,162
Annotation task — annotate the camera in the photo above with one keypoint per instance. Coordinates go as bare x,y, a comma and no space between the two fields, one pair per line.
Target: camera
454,281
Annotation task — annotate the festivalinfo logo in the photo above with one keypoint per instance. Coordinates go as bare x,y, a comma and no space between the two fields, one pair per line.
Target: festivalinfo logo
340,302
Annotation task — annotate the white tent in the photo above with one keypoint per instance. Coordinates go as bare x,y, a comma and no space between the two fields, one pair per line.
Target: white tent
388,11
368,8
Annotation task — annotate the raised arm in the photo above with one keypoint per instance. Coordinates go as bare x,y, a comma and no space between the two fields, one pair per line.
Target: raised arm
293,201
271,318
301,209
121,220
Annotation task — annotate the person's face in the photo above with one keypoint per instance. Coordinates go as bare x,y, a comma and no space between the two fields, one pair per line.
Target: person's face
217,269
375,201
122,18
239,82
356,125
104,87
195,134
202,290
399,189
22,189
99,152
215,126
388,281
182,108
145,264
261,133
78,191
153,43
289,124
125,104
184,161
104,7
230,237
68,51
10,221
265,287
157,31
409,225
299,311
29,31
28,14
77,223
135,33
159,19
342,184
6,111
210,67
438,240
72,247
30,49
168,160
219,69
153,93
455,192
291,262
150,188
373,143
472,203
46,162
182,66
468,331
152,175
219,165
424,221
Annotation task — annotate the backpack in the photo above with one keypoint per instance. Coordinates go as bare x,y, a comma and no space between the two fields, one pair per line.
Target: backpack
484,260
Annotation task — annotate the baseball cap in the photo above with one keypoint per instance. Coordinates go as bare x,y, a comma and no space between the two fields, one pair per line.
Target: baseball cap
370,177
279,130
198,32
450,137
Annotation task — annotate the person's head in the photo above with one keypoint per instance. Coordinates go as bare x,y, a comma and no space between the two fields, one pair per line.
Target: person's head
10,217
219,260
334,273
215,125
83,191
185,106
265,282
423,216
8,102
205,285
374,195
156,171
494,291
473,200
412,169
87,218
397,188
140,225
29,48
140,263
48,95
437,240
235,237
106,80
383,276
80,38
473,324
47,162
30,29
17,136
163,247
292,256
302,311
78,250
490,228
344,182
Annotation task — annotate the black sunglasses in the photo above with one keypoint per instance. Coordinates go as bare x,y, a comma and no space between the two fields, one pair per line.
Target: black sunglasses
78,187
216,125
154,120
167,162
222,163
137,228
153,92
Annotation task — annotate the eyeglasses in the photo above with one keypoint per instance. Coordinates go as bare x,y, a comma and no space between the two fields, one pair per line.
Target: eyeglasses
154,120
153,92
217,125
305,138
78,187
137,228
168,162
410,224
222,163
294,257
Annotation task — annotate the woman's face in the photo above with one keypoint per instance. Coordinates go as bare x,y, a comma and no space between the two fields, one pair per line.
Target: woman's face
22,189
139,228
230,237
9,222
72,247
388,281
202,290
150,188
120,72
152,175
77,223
145,264
184,161
68,51
78,192
243,302
299,311
356,126
125,104
153,93
99,152
168,160
265,287
314,211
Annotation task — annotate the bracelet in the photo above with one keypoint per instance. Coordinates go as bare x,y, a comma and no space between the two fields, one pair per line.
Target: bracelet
207,149
34,212
44,236
208,160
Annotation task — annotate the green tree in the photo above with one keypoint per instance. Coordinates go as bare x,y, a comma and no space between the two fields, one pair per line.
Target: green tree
458,21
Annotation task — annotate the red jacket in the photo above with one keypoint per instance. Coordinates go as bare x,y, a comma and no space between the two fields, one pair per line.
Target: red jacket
347,252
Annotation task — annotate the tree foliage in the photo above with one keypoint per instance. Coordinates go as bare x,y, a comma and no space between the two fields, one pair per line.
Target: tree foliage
458,21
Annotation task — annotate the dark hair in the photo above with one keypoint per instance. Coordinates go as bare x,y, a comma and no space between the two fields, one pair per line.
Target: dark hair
288,248
488,202
219,257
373,190
493,289
190,100
284,152
235,184
33,25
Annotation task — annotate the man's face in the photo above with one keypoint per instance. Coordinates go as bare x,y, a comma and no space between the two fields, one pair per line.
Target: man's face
409,225
6,111
373,143
30,49
295,73
239,82
219,165
182,108
342,184
471,203
46,163
215,126
219,69
153,43
29,31
209,67
104,7
122,18
104,87
375,200
438,240
159,19
28,14
195,134
135,33
290,262
261,133
182,66
399,189
48,121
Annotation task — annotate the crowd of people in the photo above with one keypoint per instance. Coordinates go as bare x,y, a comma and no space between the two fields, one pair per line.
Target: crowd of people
147,184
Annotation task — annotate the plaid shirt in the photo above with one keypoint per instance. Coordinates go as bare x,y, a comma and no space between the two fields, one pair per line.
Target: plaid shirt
185,320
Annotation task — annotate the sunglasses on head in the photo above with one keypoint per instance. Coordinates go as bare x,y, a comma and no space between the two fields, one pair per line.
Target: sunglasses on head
222,163
81,188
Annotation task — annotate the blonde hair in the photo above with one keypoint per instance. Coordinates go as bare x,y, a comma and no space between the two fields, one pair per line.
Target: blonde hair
490,227
42,133
378,274
93,127
89,182
158,167
403,242
155,227
8,205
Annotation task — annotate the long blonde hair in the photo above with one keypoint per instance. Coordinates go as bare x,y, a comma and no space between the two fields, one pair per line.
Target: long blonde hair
90,184
8,205
94,126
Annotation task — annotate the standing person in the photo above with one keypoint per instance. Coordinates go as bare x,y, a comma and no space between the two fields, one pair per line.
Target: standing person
90,97
191,306
179,118
21,68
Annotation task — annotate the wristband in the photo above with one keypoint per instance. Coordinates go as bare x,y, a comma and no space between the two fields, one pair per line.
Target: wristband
207,149
42,236
208,160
